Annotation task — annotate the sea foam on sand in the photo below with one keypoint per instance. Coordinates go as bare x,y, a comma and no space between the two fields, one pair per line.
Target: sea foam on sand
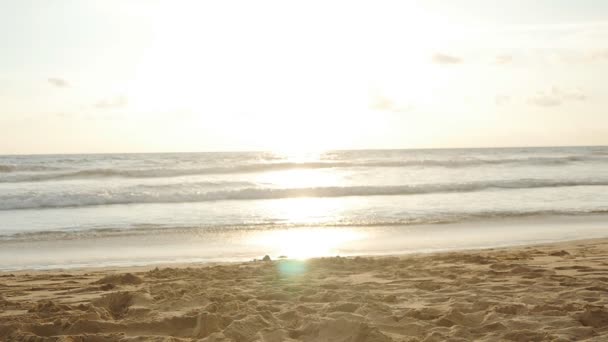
552,292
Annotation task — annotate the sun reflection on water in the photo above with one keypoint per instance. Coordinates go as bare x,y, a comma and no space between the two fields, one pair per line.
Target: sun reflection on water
304,243
303,211
300,178
301,242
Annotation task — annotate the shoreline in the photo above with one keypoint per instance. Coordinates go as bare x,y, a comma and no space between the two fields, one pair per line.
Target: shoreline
380,255
552,291
192,248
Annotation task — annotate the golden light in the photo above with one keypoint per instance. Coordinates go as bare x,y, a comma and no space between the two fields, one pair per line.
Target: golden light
299,178
297,211
304,243
303,211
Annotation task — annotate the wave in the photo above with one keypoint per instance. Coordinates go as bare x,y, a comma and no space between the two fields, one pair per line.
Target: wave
165,172
8,168
198,186
148,229
188,193
15,176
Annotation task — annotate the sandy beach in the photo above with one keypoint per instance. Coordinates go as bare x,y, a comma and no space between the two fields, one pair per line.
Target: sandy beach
277,171
553,292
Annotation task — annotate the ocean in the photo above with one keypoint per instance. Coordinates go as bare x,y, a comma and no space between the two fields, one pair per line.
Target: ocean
62,211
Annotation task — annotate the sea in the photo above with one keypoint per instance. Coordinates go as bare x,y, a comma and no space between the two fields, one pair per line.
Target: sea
66,211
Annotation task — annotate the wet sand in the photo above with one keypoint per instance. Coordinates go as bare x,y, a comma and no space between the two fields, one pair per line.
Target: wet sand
552,292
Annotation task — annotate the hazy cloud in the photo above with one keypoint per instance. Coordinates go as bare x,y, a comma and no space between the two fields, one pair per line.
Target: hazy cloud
64,115
112,103
58,82
441,58
574,56
380,102
545,100
502,100
504,59
556,97
601,54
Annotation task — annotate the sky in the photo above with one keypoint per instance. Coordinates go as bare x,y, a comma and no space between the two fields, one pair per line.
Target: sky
168,76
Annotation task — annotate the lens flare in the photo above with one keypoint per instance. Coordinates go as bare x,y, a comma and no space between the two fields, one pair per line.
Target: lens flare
292,267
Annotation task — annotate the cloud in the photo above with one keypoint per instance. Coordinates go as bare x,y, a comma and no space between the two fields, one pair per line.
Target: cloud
600,54
112,103
380,102
556,97
545,100
504,59
441,58
58,82
501,100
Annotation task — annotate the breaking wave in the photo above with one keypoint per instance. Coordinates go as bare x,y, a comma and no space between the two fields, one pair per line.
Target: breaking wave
6,168
14,173
191,193
445,218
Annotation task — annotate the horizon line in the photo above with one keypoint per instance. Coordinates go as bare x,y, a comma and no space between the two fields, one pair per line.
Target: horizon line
311,151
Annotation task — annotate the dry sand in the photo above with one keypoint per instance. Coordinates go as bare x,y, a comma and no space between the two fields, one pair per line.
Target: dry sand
553,292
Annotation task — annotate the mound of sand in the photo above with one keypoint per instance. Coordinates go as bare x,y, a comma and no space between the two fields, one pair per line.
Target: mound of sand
544,293
119,279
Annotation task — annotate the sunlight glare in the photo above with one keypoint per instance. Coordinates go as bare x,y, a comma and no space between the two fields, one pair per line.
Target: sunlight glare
307,243
303,210
299,178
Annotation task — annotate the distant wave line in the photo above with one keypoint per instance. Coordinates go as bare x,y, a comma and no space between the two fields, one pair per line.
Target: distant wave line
13,173
9,168
194,194
447,218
